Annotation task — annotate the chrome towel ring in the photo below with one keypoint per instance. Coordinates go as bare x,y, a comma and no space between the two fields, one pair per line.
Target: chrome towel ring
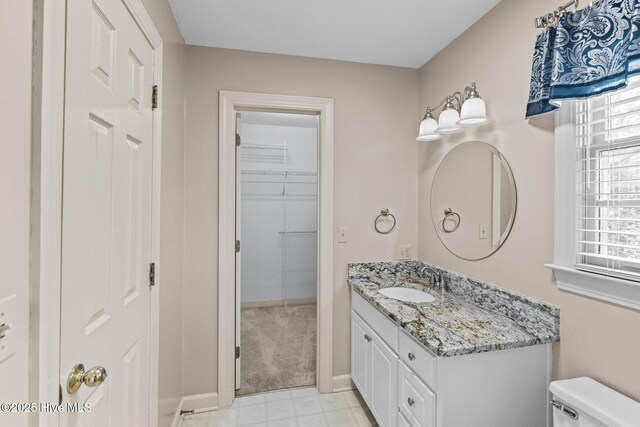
384,214
449,214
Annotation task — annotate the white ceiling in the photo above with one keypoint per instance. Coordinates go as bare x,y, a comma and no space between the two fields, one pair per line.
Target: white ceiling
404,33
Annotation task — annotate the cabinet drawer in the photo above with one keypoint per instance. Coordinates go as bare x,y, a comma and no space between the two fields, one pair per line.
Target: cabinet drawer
418,359
416,401
384,327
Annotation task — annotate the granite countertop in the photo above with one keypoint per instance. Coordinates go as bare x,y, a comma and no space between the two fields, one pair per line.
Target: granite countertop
470,316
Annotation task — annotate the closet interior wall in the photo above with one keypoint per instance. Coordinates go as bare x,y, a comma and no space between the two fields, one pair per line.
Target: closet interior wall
278,162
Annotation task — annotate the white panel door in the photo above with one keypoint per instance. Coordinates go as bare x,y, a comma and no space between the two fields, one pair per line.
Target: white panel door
384,383
361,356
238,253
107,198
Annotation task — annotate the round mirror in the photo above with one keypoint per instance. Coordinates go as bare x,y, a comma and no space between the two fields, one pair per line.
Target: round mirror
473,200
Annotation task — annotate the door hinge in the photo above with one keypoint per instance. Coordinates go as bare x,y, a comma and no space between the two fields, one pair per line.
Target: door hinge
237,352
237,140
152,274
237,246
59,394
154,97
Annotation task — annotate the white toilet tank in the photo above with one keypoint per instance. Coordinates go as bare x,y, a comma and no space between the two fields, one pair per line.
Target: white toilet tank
583,402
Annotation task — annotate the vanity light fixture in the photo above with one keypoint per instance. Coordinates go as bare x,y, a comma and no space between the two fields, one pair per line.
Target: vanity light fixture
460,110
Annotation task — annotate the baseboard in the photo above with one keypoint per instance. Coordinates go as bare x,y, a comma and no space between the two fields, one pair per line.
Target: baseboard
278,302
342,383
197,403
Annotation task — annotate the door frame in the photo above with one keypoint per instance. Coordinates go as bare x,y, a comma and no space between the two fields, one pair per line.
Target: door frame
47,169
229,103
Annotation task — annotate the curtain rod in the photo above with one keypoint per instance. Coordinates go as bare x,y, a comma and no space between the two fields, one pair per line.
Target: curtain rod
550,18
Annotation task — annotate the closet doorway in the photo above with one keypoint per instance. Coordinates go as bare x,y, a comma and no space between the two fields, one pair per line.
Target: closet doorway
229,177
277,250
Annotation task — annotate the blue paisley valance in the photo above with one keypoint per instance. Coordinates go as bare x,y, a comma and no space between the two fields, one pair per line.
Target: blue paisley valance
589,52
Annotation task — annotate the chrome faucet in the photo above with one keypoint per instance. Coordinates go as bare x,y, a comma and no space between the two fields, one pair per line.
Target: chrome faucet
435,277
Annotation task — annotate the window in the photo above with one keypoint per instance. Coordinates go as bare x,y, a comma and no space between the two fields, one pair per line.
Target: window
598,196
607,130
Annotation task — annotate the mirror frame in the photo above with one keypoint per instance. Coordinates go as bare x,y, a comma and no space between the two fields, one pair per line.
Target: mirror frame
505,235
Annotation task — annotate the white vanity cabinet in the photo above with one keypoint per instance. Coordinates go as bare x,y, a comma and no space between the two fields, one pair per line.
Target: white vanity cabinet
405,385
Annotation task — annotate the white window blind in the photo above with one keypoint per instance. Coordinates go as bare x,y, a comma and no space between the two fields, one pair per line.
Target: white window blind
607,210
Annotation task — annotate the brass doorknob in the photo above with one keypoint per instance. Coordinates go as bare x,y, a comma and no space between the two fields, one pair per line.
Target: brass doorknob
92,378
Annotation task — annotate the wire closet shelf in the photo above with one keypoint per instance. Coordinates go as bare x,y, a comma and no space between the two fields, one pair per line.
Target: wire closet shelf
264,147
277,173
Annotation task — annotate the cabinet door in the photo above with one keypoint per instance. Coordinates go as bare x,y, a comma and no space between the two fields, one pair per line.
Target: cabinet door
361,356
416,401
402,421
384,387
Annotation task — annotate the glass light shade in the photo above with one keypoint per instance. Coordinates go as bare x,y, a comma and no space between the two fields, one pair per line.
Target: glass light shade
428,130
473,113
448,122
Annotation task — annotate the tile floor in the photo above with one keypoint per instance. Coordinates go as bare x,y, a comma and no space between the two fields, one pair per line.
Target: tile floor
304,407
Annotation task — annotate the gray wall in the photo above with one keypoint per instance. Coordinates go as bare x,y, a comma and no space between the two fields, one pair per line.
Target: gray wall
598,339
375,165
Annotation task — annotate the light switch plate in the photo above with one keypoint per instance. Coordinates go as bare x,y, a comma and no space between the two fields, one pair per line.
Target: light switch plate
404,252
483,232
8,315
342,235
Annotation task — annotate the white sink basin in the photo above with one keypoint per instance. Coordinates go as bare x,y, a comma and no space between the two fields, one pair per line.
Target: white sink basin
407,294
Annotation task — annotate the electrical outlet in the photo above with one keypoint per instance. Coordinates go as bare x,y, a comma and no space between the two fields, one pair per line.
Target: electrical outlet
484,232
342,235
404,252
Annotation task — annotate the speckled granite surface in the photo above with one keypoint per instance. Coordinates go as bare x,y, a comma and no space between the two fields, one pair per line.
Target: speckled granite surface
468,317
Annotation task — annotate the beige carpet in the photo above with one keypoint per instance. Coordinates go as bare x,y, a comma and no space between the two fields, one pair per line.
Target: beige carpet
278,348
